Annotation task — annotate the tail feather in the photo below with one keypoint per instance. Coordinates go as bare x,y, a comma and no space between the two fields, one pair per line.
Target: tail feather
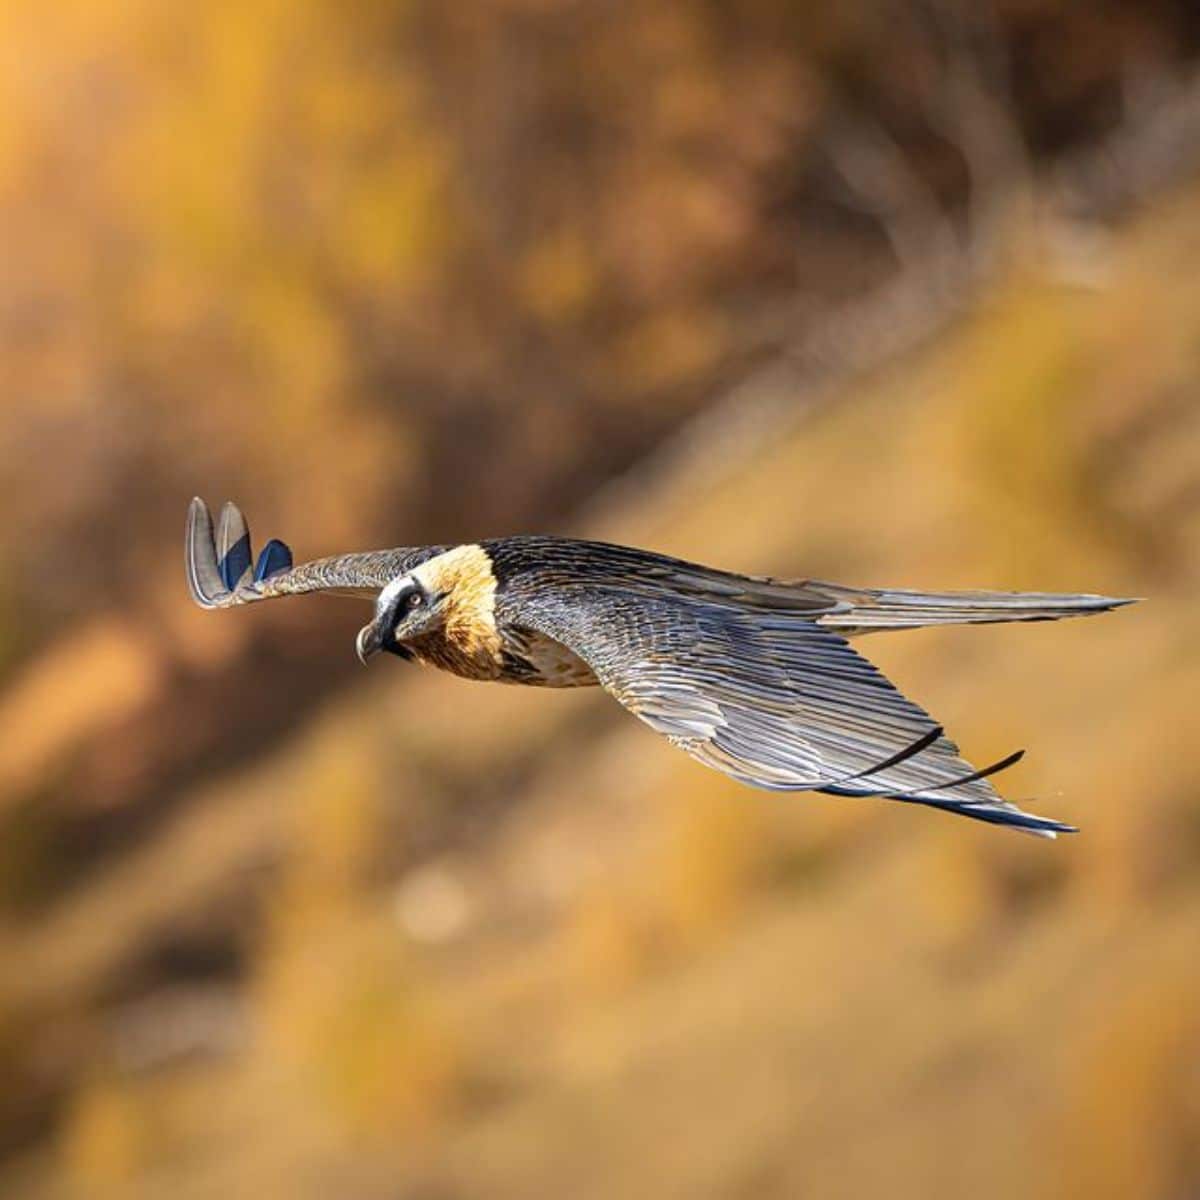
869,610
994,811
1008,815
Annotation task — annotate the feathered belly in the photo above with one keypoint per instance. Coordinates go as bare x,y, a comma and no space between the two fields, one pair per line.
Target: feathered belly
524,657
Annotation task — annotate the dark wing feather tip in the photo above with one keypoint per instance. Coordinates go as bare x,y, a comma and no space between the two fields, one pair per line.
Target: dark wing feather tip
276,556
983,773
909,751
235,562
233,546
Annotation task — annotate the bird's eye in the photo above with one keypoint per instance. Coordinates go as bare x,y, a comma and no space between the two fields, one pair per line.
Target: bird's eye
414,600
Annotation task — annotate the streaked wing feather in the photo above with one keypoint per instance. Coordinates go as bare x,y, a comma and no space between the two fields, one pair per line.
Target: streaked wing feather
771,699
275,556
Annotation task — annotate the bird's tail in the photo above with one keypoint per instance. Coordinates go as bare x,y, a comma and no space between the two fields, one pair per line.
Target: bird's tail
867,610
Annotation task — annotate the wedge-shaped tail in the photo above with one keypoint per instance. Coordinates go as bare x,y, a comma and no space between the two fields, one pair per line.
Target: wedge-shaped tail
871,610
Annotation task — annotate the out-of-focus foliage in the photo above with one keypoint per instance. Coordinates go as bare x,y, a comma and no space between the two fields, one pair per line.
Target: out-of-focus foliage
409,271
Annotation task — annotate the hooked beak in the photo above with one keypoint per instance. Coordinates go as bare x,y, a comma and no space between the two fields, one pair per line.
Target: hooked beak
367,643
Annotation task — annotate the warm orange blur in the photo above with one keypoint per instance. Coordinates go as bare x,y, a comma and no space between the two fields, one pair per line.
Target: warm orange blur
888,294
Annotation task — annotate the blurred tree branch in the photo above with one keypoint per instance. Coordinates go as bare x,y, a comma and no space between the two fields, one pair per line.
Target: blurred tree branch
1157,144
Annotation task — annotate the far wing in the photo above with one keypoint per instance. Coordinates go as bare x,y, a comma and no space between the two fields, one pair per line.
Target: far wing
221,569
771,699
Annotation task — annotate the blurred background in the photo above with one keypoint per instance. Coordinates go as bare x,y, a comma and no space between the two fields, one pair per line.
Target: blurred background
896,293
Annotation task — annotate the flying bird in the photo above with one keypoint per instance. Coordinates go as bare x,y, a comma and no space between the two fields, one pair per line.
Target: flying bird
752,676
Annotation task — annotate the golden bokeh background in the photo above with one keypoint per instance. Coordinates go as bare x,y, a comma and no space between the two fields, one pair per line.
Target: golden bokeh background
890,293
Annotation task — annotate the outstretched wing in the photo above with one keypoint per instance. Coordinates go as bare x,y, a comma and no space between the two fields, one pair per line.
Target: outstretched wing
222,571
769,698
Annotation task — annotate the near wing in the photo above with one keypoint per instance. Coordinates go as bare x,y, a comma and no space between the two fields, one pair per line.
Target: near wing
221,569
771,699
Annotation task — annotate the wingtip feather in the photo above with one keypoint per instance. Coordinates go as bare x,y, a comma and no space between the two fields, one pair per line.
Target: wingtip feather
276,556
233,547
204,578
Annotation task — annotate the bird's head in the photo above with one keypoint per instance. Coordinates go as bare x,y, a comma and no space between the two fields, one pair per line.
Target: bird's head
407,608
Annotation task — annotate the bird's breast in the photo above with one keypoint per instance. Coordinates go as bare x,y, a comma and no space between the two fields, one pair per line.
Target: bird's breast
466,656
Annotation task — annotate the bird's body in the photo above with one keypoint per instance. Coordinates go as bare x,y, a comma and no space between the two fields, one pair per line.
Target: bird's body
750,675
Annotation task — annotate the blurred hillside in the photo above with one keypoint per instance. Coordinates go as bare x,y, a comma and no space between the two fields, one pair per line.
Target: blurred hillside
902,295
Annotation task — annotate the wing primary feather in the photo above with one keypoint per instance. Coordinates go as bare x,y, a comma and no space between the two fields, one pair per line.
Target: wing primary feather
204,579
233,547
276,556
